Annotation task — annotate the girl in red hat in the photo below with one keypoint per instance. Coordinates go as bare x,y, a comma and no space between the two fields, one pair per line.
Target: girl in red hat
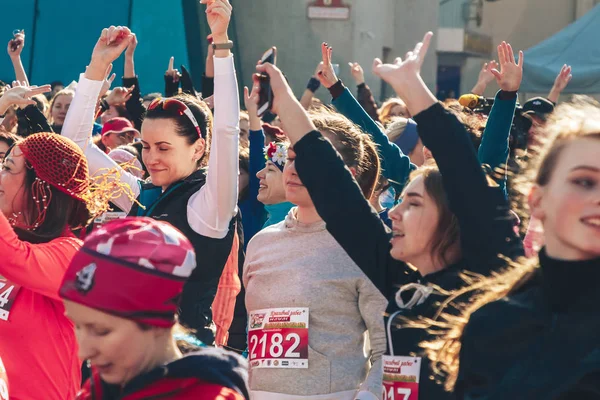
44,195
125,326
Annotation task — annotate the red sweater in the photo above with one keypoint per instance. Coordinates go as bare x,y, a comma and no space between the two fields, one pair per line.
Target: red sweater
37,345
166,388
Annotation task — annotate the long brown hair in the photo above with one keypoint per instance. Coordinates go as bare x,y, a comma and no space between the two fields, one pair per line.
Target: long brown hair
447,235
570,121
356,148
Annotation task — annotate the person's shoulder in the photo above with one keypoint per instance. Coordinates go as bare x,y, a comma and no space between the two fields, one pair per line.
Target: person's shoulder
517,316
203,390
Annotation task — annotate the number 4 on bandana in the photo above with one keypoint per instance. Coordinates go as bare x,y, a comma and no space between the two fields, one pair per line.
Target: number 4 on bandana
401,377
278,338
8,292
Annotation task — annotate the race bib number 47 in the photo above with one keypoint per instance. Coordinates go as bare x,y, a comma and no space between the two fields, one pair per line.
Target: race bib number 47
401,377
278,338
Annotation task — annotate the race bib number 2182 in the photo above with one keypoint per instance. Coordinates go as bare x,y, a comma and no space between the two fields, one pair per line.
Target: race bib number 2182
278,338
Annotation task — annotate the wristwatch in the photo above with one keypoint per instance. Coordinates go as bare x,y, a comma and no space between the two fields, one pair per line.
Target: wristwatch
223,46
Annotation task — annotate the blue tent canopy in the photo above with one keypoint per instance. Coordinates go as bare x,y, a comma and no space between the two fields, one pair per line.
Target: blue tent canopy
576,45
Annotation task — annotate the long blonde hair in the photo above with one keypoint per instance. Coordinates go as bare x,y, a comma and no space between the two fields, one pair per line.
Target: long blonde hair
570,121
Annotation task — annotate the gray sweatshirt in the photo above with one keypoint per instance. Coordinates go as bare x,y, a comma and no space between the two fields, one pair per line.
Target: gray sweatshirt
291,264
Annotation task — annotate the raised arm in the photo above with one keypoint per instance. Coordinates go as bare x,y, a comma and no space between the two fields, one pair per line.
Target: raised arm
481,210
485,78
130,80
364,95
210,210
37,267
494,143
353,222
311,88
257,145
80,117
395,165
14,49
172,77
560,83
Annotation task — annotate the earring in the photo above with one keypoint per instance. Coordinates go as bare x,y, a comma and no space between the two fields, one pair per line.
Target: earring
15,216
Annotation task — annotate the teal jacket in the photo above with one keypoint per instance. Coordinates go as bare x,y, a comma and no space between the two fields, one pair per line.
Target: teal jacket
494,149
396,166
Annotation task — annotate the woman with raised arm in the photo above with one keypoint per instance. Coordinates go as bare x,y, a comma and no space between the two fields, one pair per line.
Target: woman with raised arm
176,135
44,195
450,218
532,332
300,282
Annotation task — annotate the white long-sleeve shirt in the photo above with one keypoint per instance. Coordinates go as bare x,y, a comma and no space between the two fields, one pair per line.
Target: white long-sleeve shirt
209,211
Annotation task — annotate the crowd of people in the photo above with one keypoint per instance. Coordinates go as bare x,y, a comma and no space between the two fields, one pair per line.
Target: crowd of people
178,246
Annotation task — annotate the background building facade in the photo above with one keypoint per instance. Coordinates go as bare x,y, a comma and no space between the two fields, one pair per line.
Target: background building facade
61,34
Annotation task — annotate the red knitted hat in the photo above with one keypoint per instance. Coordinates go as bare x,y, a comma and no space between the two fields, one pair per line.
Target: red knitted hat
134,268
59,162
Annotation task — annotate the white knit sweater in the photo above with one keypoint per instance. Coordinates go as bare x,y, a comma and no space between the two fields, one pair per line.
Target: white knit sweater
291,264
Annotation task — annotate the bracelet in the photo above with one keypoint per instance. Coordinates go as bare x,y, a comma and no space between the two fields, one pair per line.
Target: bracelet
313,84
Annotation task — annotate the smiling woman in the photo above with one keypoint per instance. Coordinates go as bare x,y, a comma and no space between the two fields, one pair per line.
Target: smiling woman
177,134
529,301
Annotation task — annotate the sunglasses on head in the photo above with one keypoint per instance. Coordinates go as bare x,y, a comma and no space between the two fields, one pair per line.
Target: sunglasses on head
178,106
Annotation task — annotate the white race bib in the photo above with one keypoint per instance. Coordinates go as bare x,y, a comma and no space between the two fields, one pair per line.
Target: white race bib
401,377
278,338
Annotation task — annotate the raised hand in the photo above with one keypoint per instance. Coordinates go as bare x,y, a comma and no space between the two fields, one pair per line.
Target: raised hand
131,46
296,122
401,71
511,74
560,83
405,77
173,72
20,94
486,75
325,73
107,81
112,43
218,15
357,73
485,78
119,95
251,100
16,45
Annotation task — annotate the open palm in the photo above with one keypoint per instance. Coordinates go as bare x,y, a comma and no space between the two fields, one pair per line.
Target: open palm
511,73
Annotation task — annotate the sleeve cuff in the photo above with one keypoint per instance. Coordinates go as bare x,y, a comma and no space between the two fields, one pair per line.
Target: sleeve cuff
337,89
503,95
224,65
89,87
362,86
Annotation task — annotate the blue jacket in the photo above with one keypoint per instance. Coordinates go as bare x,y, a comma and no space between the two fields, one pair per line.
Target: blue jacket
494,142
396,166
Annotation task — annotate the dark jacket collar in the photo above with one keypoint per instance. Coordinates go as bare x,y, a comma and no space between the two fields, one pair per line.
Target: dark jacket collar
209,364
570,285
